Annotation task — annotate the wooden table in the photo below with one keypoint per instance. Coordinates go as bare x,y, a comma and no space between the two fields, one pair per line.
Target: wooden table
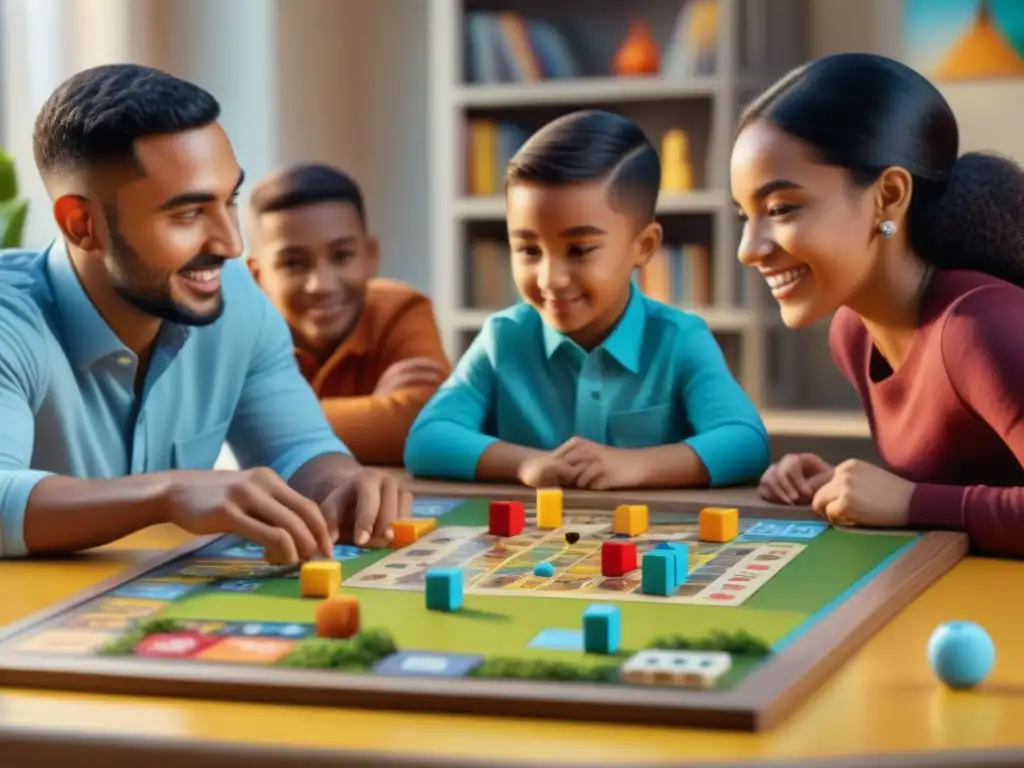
885,703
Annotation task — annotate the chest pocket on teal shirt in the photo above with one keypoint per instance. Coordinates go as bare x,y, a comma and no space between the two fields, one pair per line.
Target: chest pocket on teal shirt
200,451
641,428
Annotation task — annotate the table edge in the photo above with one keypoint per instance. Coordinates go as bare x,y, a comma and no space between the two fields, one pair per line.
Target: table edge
45,747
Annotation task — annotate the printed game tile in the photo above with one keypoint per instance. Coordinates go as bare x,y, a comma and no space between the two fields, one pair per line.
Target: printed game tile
268,629
783,530
247,650
236,569
206,627
155,590
134,608
558,640
174,645
66,641
722,574
238,585
433,506
237,549
428,664
97,621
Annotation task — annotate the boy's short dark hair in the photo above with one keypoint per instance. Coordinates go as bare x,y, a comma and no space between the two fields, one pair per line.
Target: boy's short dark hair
593,145
306,184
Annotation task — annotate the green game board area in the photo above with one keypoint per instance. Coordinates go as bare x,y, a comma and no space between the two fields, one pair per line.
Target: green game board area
503,626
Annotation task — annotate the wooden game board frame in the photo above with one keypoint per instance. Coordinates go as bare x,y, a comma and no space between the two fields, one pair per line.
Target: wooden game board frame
760,701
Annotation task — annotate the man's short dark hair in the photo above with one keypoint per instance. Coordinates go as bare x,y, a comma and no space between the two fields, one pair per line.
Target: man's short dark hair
305,184
97,115
593,145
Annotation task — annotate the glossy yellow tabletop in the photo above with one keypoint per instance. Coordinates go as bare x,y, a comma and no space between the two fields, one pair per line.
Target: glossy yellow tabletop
884,701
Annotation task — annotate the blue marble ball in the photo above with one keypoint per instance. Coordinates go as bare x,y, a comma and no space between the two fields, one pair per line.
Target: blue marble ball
543,569
961,654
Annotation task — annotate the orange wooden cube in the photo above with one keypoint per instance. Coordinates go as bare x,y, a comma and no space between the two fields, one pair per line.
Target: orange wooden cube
630,519
407,532
719,524
337,617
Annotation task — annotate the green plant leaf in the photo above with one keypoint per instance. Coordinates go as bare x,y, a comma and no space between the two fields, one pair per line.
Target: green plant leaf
13,214
8,178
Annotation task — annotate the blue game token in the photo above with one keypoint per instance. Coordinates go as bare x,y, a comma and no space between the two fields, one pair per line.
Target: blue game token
544,569
961,654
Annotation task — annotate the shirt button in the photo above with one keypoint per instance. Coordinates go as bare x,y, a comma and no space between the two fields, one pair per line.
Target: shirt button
124,360
595,395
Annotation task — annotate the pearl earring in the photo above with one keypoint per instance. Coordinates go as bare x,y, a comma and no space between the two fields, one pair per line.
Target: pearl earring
887,228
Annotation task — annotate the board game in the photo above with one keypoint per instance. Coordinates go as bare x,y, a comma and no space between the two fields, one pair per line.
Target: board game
501,608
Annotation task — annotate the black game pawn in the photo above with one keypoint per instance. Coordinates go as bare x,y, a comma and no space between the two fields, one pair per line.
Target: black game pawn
571,538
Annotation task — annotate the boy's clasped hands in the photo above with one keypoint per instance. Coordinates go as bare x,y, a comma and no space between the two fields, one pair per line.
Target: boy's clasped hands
582,463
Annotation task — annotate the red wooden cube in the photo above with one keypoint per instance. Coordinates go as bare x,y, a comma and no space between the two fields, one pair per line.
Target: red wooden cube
507,518
618,558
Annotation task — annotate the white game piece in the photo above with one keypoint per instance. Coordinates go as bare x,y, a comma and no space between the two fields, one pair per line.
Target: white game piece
689,669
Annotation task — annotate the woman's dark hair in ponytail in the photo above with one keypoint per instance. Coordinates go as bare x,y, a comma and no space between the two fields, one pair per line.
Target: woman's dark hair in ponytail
866,113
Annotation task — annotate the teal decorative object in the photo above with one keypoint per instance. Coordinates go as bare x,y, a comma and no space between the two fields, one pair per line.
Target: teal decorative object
13,209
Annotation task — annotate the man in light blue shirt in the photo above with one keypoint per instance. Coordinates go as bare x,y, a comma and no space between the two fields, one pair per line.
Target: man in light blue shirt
135,346
588,383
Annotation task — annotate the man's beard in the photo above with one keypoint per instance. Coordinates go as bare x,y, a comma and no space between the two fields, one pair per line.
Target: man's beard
149,290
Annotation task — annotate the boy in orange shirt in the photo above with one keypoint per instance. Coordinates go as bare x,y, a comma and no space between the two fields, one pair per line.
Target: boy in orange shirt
368,346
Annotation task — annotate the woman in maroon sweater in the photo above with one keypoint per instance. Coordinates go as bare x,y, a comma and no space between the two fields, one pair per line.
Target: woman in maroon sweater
854,200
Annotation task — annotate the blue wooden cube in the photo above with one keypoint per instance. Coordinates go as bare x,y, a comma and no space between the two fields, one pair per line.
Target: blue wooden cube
602,629
444,589
681,552
658,573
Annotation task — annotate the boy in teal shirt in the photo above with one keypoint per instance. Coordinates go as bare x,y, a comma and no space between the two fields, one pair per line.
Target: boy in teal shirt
588,383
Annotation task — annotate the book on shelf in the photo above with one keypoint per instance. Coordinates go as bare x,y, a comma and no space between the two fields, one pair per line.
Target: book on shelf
508,47
489,145
490,270
679,275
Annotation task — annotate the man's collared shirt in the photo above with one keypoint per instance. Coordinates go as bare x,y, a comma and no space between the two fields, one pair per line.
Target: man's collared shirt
67,395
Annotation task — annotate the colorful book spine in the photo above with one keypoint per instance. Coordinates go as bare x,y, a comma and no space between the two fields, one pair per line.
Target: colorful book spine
489,147
506,47
679,276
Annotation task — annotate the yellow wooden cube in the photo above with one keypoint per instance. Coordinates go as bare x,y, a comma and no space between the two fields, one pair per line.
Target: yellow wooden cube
719,524
410,531
549,508
630,519
320,578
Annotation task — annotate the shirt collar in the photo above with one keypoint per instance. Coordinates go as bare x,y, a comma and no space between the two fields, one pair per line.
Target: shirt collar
355,344
623,343
84,333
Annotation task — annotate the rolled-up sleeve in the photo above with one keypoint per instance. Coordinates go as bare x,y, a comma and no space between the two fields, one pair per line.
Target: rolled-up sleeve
278,422
23,371
448,438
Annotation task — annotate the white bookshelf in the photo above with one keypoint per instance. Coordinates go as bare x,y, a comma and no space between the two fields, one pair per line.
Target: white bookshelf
753,47
492,208
572,93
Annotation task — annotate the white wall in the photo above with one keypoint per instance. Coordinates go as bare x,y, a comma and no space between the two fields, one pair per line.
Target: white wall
230,48
36,50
